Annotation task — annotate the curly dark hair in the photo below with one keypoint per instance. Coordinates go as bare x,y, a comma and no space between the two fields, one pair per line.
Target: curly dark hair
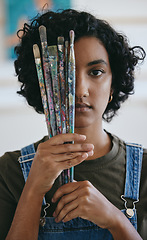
122,57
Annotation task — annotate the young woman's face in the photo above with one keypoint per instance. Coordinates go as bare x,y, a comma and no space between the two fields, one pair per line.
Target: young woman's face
93,81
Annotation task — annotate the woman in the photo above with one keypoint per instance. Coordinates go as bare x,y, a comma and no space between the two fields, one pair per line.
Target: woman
89,207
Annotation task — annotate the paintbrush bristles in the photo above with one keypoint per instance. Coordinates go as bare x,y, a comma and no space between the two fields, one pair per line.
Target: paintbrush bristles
42,32
36,51
72,36
60,40
66,44
52,50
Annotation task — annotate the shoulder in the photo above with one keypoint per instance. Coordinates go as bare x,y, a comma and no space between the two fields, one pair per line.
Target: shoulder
8,160
122,144
117,141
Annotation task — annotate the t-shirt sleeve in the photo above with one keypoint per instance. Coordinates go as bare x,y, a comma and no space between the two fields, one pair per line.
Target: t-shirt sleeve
11,185
7,209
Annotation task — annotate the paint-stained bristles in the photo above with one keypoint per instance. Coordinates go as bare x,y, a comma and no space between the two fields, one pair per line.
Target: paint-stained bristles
42,32
72,36
60,41
36,52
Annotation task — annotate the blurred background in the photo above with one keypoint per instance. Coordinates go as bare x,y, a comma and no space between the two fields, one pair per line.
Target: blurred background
20,125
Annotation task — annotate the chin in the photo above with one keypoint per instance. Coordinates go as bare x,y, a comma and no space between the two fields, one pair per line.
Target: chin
82,124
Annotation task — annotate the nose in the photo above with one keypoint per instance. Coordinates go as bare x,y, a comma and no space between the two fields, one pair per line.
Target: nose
82,89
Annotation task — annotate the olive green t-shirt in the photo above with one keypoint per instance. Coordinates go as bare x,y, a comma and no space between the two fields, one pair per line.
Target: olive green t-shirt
106,173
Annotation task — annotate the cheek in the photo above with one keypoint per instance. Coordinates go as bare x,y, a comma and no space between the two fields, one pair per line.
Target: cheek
101,93
100,96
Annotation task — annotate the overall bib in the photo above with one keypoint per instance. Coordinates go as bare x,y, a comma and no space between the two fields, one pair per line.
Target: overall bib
78,228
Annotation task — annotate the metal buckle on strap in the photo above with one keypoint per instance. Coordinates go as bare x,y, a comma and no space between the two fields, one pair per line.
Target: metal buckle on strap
27,160
42,219
129,211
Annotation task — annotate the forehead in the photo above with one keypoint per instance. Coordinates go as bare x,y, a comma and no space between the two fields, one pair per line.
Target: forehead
88,49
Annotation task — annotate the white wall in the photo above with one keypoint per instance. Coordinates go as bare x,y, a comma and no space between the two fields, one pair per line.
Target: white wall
21,125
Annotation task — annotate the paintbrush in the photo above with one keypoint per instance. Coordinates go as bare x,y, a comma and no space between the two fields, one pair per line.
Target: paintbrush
42,86
47,75
66,87
61,76
56,93
71,87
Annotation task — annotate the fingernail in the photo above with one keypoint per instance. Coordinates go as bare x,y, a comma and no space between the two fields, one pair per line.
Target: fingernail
52,200
89,146
90,153
84,155
82,137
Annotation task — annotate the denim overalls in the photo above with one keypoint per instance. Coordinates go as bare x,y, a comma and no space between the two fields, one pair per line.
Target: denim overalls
79,228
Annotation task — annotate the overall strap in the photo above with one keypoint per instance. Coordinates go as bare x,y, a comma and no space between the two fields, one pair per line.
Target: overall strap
26,159
134,153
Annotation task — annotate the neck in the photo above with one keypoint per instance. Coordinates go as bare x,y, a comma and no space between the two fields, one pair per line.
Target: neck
98,137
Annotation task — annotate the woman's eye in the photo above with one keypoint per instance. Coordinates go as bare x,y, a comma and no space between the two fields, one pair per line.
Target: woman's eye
96,72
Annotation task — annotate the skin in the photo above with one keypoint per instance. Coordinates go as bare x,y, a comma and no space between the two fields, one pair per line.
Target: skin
77,199
93,86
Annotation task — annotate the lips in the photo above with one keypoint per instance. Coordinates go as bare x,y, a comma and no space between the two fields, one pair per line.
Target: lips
82,107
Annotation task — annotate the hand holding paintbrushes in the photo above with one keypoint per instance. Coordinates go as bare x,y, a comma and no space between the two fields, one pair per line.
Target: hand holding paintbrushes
57,87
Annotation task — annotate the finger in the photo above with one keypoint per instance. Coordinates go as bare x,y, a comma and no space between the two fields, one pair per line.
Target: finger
71,215
60,157
72,162
62,161
71,156
67,148
63,138
65,161
64,201
66,211
70,148
65,189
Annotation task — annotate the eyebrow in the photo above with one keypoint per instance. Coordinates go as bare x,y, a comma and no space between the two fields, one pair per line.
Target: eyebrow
96,62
